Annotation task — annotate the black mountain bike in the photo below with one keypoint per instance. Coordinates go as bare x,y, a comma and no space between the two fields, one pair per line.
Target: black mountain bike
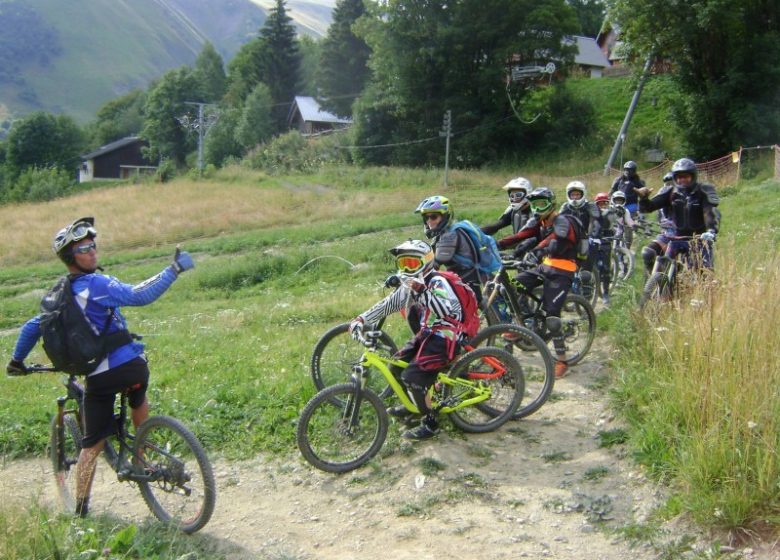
163,458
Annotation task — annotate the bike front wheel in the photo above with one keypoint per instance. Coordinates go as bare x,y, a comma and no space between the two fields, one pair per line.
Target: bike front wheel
337,438
622,264
657,290
578,322
336,352
181,489
538,367
491,368
64,449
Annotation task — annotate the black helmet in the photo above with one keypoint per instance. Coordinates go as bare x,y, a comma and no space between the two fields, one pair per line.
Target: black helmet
630,168
684,165
70,234
542,201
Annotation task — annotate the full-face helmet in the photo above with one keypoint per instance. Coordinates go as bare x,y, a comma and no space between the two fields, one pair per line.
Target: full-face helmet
618,198
629,168
542,201
414,259
518,189
577,186
73,233
435,205
683,166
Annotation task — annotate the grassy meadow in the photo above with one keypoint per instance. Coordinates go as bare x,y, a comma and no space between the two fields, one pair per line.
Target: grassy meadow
279,260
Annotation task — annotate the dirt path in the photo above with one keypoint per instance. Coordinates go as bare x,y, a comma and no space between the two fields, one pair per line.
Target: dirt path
538,488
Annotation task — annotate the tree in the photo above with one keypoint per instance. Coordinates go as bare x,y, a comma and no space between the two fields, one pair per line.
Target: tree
220,143
724,56
590,14
168,139
119,118
343,69
281,61
311,53
429,57
43,140
256,125
209,73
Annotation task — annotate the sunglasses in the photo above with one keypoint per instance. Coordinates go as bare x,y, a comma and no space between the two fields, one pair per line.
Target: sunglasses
84,249
409,264
429,217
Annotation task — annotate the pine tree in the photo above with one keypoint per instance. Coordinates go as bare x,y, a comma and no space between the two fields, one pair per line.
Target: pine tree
209,72
343,68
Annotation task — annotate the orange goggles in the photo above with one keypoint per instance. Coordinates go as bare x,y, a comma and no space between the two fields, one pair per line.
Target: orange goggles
411,263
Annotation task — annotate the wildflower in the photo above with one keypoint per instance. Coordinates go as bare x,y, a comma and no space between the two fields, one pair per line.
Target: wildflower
661,329
752,425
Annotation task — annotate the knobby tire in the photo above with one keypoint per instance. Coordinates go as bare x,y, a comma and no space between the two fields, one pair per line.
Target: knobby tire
578,321
64,454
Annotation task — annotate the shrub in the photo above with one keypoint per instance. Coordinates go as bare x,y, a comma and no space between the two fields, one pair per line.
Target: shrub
291,152
39,184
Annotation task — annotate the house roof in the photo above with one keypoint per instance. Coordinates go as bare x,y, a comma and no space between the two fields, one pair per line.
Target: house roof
111,147
312,112
589,52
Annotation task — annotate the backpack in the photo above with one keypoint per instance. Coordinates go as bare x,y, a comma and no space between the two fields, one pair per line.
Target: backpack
69,340
468,303
489,258
581,246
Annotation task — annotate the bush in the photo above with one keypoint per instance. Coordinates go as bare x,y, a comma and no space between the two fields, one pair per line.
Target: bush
291,153
36,184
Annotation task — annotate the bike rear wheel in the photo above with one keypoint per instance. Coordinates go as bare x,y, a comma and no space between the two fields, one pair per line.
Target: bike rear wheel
184,492
507,389
538,367
336,352
578,321
64,449
622,264
337,438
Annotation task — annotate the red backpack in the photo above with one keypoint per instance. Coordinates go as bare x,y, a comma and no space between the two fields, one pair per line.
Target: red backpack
468,303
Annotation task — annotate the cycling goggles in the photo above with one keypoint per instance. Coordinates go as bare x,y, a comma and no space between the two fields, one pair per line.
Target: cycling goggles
412,263
516,196
540,205
84,249
81,230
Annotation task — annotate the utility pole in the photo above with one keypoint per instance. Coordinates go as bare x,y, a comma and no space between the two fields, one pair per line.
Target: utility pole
629,115
446,132
202,126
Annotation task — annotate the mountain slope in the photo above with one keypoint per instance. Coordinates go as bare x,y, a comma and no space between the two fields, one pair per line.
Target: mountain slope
72,57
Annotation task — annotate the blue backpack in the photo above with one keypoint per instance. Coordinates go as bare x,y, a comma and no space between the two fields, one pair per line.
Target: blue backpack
489,257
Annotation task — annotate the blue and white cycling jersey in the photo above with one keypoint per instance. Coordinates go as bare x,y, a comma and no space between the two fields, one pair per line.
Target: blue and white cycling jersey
97,294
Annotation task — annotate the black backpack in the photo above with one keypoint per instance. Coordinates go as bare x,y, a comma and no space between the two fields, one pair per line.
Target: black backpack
69,340
582,245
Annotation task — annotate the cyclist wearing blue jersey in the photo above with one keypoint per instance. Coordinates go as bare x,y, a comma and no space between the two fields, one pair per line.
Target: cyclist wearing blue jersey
125,367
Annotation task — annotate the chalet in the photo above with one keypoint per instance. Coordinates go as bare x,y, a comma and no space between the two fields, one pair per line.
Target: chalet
308,117
589,58
121,159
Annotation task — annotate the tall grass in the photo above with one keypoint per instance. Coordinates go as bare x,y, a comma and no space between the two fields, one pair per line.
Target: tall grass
700,386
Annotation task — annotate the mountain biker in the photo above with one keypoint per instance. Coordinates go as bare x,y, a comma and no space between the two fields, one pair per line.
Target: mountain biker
453,247
518,212
628,183
691,206
431,299
578,205
551,237
608,221
625,223
124,368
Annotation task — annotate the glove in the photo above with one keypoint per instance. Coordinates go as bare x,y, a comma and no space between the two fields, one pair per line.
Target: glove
392,281
356,328
708,235
16,368
531,258
595,241
182,261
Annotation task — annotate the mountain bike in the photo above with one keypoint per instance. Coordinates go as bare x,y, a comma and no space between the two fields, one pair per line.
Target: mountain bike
622,262
336,353
586,283
343,426
662,282
578,320
163,458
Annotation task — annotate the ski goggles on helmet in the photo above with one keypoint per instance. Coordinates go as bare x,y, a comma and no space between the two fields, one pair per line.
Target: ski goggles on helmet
410,264
81,230
540,205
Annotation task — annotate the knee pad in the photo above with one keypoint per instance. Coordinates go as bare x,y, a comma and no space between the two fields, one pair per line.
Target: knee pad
553,324
648,256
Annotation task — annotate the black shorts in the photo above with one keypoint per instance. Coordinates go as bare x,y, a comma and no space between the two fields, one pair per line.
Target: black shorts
99,398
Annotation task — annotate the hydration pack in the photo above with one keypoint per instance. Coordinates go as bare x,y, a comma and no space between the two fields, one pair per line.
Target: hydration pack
69,340
581,245
489,261
468,303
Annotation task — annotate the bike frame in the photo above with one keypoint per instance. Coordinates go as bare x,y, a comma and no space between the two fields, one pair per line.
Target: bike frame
370,359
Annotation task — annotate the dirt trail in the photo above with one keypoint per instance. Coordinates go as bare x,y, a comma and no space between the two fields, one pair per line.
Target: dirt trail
538,488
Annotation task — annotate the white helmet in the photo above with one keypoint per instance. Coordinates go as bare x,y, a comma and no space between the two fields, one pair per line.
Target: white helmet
414,258
577,186
618,198
519,184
